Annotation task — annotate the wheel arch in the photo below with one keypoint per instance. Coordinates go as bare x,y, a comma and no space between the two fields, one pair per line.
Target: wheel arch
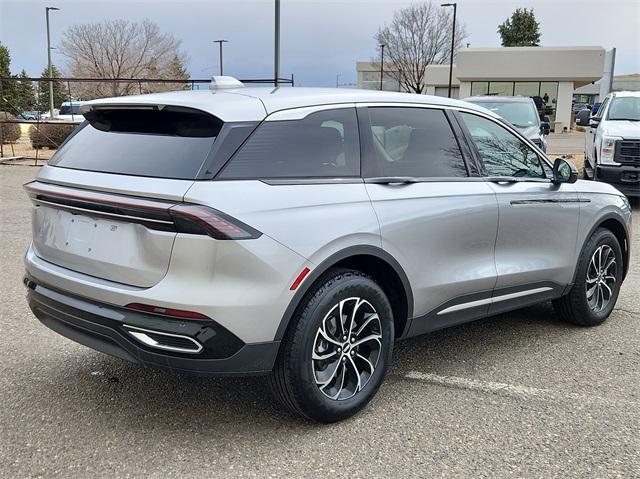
371,260
616,225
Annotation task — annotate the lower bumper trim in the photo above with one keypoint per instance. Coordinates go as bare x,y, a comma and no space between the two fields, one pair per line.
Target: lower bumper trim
104,328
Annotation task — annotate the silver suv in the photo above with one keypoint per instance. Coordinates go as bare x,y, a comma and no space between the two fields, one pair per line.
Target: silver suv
298,232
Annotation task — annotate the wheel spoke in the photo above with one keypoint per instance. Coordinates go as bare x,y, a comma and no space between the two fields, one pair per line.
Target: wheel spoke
610,278
325,382
352,319
610,263
368,363
344,373
355,368
323,357
366,323
371,337
608,289
326,337
591,291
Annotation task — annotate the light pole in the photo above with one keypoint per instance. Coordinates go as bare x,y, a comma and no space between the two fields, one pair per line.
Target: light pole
453,40
381,65
220,42
276,53
49,60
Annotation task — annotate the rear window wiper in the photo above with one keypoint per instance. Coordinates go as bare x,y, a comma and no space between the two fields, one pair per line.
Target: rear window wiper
388,180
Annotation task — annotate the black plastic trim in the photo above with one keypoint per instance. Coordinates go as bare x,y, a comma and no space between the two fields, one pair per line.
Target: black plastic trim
330,262
432,321
101,327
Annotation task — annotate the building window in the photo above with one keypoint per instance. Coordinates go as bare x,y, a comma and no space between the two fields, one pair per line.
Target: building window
501,88
479,88
526,88
371,76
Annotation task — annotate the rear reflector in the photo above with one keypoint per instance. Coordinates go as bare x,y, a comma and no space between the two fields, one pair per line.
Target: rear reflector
299,279
174,313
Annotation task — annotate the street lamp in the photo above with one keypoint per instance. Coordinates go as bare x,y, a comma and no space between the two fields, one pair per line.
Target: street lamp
220,42
49,59
453,40
381,64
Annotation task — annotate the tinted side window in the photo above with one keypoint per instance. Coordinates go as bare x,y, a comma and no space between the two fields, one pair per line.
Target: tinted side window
323,144
503,153
416,142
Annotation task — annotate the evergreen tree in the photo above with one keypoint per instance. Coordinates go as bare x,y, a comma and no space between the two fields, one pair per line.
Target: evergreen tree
26,92
59,90
9,101
177,70
521,30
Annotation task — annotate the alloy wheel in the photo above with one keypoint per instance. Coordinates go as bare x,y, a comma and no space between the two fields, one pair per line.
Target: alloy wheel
601,278
347,348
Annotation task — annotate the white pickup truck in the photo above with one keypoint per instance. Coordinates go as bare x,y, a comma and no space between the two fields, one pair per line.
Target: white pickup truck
612,143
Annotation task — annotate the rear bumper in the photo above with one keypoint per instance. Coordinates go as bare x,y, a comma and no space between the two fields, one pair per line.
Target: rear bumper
108,329
625,178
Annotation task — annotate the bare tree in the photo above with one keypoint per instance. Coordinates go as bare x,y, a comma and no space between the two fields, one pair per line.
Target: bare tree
120,49
418,36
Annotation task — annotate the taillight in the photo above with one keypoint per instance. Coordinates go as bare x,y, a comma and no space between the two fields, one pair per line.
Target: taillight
198,219
174,313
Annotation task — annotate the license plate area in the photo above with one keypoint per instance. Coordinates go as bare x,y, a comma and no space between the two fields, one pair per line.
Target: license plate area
115,250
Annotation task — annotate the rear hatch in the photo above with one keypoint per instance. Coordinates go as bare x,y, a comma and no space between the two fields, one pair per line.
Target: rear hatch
102,205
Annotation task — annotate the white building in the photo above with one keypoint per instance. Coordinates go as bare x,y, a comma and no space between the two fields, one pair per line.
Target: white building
551,72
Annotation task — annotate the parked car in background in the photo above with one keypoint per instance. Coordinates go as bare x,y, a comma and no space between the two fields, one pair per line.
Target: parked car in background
297,232
612,143
576,107
521,112
70,111
28,115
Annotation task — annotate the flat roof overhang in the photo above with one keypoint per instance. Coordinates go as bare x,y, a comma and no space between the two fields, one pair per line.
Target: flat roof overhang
581,65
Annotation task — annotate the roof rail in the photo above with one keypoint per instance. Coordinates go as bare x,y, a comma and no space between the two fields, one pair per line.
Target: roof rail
225,82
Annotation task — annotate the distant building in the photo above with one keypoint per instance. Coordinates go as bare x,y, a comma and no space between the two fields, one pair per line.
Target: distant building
527,71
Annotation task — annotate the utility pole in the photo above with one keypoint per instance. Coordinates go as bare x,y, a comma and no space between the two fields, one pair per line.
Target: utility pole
381,65
49,61
453,40
276,57
220,42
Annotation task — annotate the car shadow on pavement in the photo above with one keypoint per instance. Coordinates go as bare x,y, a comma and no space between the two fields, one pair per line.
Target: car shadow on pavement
107,390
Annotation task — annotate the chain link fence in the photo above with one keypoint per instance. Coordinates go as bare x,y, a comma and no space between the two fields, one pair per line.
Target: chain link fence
33,136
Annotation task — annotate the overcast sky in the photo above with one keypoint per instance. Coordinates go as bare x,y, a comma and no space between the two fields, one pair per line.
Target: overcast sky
320,39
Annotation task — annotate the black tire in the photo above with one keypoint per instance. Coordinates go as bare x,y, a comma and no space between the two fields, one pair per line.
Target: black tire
574,306
293,380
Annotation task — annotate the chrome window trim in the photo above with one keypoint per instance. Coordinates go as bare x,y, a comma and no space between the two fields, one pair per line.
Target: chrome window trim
300,113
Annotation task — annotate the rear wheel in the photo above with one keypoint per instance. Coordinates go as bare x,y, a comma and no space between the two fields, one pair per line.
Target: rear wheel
598,278
337,349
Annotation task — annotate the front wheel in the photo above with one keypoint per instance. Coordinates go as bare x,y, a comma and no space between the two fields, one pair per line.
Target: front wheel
337,349
598,277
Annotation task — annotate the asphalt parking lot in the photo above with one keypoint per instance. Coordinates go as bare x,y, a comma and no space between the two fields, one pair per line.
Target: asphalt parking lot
518,395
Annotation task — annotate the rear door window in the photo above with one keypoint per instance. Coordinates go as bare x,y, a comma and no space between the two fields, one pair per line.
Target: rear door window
168,143
414,142
321,145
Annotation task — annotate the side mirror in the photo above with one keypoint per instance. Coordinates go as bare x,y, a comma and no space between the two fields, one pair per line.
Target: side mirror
594,122
582,117
564,171
545,128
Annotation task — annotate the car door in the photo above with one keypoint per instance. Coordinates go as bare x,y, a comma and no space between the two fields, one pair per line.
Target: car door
538,220
437,216
590,135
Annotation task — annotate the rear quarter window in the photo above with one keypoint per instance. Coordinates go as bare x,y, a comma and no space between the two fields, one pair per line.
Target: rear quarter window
321,145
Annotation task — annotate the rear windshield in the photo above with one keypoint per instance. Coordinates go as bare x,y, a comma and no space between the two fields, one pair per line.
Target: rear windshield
168,143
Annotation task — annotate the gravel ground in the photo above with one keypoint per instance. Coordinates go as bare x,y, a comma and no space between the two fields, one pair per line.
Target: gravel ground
518,395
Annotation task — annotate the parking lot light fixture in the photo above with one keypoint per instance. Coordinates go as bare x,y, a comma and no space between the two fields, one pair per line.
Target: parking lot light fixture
453,41
49,61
